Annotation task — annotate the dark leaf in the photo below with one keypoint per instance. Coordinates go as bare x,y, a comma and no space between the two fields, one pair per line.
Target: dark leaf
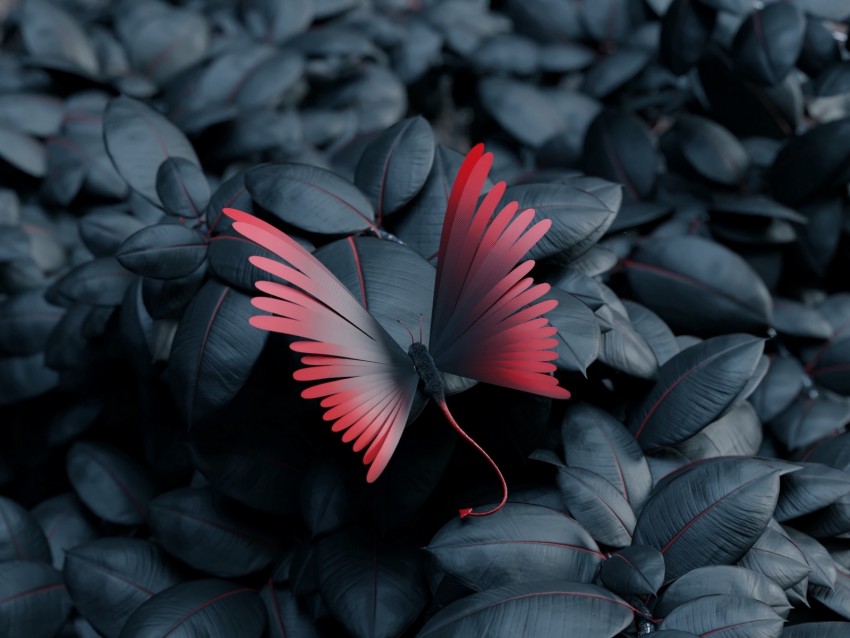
32,113
725,615
200,529
109,578
823,568
777,557
779,388
395,165
594,440
508,54
262,468
277,22
22,151
26,320
578,335
819,49
162,40
623,347
634,571
21,537
521,109
814,162
684,512
232,193
198,608
228,254
699,287
810,418
747,108
33,600
65,524
163,251
166,299
812,487
798,320
685,33
612,71
619,148
391,281
25,377
100,282
103,231
832,521
51,34
139,140
214,350
522,543
327,499
578,217
655,332
420,226
182,188
736,433
111,484
833,629
820,236
286,617
533,609
768,43
707,148
717,370
372,587
597,505
727,580
310,198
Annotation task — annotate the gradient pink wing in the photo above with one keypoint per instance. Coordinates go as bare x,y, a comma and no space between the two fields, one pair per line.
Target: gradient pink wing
365,381
487,321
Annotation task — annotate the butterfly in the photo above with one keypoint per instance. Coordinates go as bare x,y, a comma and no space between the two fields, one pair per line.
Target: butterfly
487,321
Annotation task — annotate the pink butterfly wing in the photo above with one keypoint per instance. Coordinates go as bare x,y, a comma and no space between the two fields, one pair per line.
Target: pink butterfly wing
487,321
365,380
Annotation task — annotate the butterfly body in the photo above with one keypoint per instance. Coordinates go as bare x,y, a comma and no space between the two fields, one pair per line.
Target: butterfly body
487,320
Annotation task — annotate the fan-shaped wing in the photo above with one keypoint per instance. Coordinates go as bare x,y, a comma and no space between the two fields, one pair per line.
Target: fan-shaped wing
487,321
365,380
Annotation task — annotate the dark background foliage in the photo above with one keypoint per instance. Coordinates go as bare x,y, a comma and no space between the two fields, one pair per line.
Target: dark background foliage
159,474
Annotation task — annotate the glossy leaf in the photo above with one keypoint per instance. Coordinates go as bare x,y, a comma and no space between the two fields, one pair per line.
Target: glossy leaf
109,578
521,109
373,588
634,571
769,42
536,608
182,188
809,489
112,484
214,350
700,145
103,231
22,151
395,165
685,33
717,370
736,433
597,505
623,347
579,339
811,418
593,440
33,600
65,524
726,580
138,140
197,608
163,251
781,384
21,537
708,513
725,615
285,615
199,528
834,629
655,332
52,34
310,198
777,557
619,148
522,543
99,282
715,291
823,568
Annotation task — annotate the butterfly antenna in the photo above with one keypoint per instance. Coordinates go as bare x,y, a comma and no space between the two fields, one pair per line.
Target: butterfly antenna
412,340
467,511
